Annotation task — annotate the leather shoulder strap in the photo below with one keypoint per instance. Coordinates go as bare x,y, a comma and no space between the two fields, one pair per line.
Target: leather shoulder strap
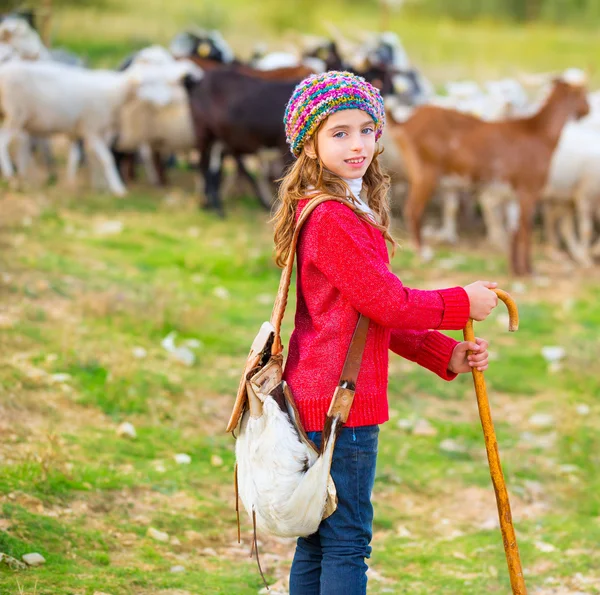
351,368
286,274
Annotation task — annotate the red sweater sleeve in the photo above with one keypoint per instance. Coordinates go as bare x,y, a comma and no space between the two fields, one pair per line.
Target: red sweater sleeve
342,249
430,349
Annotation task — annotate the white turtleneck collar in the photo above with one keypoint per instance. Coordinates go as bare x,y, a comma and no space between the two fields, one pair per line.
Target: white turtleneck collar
355,186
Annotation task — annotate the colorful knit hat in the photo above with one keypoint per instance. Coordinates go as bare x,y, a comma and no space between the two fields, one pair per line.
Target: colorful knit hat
320,95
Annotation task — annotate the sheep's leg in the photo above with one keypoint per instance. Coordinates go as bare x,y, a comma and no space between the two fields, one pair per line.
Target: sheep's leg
73,162
214,155
568,234
149,165
161,168
450,202
578,247
585,226
98,146
48,158
24,154
6,135
490,202
551,215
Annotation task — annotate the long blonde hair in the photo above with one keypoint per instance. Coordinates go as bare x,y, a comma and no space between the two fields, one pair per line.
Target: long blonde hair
307,174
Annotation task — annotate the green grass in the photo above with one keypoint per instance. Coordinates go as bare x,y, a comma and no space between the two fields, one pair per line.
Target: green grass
79,302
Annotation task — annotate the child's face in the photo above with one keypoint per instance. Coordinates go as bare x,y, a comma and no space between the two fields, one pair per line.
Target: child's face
346,143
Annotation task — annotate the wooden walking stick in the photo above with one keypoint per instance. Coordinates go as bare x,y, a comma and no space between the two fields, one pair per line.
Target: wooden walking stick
491,445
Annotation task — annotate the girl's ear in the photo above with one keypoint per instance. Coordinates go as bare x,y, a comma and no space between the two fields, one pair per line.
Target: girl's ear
309,149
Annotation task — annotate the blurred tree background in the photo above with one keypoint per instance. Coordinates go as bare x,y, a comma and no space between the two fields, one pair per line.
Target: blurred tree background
555,11
299,11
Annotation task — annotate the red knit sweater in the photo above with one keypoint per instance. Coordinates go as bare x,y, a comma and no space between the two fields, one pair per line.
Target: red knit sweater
343,269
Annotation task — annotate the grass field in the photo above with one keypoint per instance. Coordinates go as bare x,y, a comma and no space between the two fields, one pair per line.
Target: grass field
91,285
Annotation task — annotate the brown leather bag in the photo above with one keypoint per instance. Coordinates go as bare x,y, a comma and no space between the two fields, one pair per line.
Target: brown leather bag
283,481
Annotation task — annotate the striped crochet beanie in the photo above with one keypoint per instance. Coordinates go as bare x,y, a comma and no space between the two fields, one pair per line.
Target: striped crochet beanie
320,95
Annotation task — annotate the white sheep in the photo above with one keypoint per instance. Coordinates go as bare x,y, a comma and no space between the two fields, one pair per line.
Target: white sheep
45,98
158,117
574,181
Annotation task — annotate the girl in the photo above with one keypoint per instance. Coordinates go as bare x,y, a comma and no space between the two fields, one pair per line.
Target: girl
333,121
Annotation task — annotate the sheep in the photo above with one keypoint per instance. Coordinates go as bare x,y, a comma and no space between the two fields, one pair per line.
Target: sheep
45,98
163,125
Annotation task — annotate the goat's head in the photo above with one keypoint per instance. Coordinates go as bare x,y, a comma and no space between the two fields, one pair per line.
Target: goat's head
327,51
574,94
206,44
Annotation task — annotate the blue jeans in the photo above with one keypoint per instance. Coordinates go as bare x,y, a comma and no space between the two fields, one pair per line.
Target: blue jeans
332,560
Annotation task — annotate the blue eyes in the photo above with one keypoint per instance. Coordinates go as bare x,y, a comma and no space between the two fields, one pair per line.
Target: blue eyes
341,133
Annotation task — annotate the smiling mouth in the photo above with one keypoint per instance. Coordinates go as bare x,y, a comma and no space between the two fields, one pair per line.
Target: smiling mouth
355,160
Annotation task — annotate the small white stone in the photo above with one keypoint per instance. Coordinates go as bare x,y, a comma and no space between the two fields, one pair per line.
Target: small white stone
157,535
547,548
541,420
405,424
490,523
139,352
221,292
183,459
450,445
126,430
182,353
402,531
216,461
177,569
159,466
518,287
34,559
427,254
208,551
583,409
553,353
424,428
60,378
105,228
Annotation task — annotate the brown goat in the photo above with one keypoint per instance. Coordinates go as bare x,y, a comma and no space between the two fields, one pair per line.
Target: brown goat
437,141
